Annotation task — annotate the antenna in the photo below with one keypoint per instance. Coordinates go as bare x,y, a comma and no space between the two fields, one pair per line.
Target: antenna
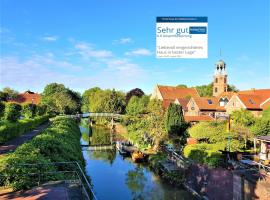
220,53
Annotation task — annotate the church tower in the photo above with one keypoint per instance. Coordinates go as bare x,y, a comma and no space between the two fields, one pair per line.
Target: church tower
220,79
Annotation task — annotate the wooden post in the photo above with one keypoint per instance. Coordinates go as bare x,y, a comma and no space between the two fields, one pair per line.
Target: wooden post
255,150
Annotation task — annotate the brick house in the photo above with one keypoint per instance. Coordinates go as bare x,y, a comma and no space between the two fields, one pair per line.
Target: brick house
169,94
27,97
253,100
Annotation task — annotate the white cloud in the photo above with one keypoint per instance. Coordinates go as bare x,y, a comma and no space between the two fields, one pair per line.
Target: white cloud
139,52
87,51
50,38
123,41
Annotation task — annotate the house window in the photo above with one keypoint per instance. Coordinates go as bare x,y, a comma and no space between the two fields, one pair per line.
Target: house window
209,101
216,80
251,101
225,89
225,80
215,89
226,101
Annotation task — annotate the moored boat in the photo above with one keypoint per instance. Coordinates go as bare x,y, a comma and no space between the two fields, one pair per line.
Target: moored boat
137,156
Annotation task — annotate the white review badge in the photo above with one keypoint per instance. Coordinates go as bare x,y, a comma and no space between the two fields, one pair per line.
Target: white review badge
181,37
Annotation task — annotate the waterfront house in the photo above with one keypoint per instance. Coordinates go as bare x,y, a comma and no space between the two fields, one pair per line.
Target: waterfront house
27,97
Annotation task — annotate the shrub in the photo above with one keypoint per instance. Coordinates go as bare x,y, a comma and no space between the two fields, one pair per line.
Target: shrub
28,110
10,130
41,109
209,131
261,127
2,109
60,142
12,111
205,153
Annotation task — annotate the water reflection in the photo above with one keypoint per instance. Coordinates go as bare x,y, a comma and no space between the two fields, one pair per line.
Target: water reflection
106,156
135,180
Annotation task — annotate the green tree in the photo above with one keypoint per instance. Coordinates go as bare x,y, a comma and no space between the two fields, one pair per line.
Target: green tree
205,90
232,88
12,112
60,99
182,86
28,110
86,98
2,109
175,122
266,113
261,127
8,94
115,102
242,117
137,105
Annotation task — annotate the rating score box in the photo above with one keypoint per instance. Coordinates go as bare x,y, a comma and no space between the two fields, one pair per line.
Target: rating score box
181,37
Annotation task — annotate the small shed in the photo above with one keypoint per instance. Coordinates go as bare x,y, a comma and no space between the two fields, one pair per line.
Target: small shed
264,142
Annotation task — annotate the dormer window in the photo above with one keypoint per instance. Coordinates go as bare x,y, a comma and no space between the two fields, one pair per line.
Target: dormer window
209,101
251,101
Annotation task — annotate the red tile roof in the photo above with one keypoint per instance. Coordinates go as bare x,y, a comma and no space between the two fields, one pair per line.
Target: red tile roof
183,102
226,94
254,99
198,118
265,104
250,101
206,103
27,97
264,94
166,103
172,93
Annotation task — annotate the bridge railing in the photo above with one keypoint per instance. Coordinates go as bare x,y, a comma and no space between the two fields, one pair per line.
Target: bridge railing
43,173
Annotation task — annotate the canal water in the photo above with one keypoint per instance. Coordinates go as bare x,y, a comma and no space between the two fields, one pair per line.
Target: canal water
117,178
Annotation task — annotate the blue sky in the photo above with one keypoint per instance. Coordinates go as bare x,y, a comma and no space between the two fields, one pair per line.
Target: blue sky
111,44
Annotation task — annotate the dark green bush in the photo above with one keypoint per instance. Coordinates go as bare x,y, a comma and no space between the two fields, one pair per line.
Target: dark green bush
10,130
60,142
205,153
41,109
2,109
28,110
12,111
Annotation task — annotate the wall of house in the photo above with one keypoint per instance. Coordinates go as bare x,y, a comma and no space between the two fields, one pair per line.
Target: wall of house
193,109
233,104
256,113
156,94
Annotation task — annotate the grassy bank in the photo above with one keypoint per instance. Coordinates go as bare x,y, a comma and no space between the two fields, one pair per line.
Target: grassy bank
58,143
10,130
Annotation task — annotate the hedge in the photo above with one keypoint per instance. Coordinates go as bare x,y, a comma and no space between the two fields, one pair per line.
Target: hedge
12,111
205,153
10,130
59,142
28,110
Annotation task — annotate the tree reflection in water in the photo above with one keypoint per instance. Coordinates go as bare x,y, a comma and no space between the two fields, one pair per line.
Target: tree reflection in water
135,180
107,156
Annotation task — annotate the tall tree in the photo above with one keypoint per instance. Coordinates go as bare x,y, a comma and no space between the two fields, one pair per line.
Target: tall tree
134,92
8,94
60,99
137,105
86,98
175,122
